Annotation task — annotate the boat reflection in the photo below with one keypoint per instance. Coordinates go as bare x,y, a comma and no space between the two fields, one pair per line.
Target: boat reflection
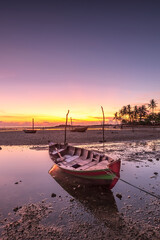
97,199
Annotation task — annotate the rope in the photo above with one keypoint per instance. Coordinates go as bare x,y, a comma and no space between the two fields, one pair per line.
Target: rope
153,195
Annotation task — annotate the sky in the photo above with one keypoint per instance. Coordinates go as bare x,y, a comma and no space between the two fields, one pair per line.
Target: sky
77,55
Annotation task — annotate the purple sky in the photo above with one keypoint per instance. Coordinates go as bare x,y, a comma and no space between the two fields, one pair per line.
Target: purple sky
56,55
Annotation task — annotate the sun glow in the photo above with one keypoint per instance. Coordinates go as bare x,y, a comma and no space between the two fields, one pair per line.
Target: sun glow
52,120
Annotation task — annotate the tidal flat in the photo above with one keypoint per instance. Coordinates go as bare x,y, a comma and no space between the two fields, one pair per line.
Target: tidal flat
37,203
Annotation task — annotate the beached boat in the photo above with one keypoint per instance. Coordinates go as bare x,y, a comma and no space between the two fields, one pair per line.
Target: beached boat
95,167
30,130
79,129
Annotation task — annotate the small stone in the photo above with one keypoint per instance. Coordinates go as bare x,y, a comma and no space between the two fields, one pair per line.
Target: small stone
16,209
150,160
156,173
53,195
16,183
118,195
0,148
72,199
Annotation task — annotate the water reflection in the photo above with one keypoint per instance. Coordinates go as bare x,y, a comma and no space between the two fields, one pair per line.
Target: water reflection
97,199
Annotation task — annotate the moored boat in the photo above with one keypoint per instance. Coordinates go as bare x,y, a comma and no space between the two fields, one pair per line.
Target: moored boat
30,130
79,129
95,167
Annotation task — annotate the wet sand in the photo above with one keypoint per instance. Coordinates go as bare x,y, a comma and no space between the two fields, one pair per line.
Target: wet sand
43,136
29,221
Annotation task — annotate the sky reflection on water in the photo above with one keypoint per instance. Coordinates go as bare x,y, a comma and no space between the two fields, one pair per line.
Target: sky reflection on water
29,166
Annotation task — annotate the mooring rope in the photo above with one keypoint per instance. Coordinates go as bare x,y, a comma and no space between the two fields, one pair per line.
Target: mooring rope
153,195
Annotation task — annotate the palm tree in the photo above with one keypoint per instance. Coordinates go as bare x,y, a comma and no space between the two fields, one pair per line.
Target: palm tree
142,112
129,111
116,117
123,111
152,105
135,113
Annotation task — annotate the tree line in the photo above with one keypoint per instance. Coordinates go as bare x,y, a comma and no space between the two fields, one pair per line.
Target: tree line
143,115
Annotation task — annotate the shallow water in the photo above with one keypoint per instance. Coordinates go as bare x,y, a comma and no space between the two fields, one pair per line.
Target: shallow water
140,167
29,168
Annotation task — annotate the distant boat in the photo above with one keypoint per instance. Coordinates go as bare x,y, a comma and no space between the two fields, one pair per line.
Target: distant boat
91,166
30,130
79,129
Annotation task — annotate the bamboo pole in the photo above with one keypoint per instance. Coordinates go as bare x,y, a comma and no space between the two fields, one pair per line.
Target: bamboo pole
33,123
103,122
71,122
66,127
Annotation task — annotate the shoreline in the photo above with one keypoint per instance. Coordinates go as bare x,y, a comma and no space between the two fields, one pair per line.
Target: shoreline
42,137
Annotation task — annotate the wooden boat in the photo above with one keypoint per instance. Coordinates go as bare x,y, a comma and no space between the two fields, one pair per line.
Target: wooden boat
92,166
79,129
30,130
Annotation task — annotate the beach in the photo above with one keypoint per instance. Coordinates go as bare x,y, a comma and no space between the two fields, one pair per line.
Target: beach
41,137
63,211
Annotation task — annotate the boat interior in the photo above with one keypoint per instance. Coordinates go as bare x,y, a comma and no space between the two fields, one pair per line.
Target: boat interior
71,157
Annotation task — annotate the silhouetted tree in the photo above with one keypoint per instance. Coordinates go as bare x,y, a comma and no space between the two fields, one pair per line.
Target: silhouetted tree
129,112
127,115
152,105
116,117
142,112
135,113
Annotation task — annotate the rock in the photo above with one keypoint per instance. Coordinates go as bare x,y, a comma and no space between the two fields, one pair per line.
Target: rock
72,199
16,209
150,160
16,183
53,195
118,195
156,173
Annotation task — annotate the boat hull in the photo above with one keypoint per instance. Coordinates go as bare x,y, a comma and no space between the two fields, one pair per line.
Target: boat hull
79,129
30,131
93,167
96,177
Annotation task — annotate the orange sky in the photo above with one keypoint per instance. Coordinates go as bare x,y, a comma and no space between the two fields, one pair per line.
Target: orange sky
57,56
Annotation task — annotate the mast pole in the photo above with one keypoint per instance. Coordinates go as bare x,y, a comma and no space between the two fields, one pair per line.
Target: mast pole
66,127
103,122
33,123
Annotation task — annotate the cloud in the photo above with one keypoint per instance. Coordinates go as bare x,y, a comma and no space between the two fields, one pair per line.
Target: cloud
100,118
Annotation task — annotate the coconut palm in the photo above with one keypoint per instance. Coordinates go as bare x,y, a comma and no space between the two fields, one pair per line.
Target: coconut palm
116,117
142,112
123,111
135,113
129,111
152,105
